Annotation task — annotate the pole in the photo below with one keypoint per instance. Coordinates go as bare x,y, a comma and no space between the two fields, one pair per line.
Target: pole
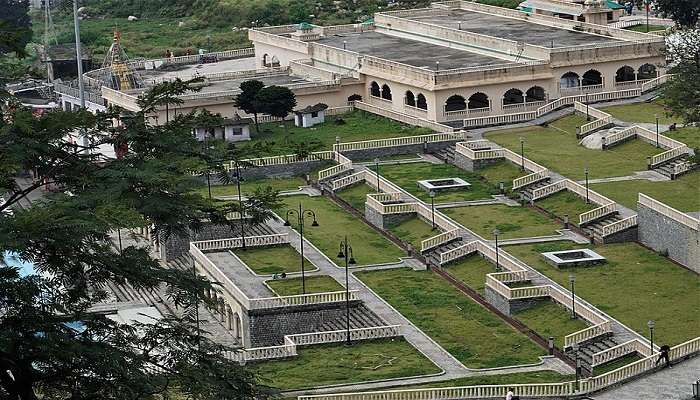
573,300
301,234
78,53
347,294
647,9
241,207
657,132
432,209
588,115
522,154
119,234
498,266
651,340
586,172
209,185
376,170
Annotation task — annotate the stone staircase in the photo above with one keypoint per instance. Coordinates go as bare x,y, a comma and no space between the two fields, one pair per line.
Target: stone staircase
586,351
360,317
432,256
526,192
595,229
668,169
447,154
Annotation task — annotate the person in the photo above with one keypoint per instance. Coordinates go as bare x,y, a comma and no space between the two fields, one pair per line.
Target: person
672,127
511,396
663,355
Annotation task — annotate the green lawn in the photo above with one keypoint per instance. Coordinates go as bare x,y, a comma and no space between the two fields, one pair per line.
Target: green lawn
468,331
512,222
640,112
359,125
565,203
688,135
356,195
548,318
635,285
337,363
501,171
472,271
613,365
643,28
248,187
682,193
414,231
504,379
270,260
408,175
557,148
369,246
313,284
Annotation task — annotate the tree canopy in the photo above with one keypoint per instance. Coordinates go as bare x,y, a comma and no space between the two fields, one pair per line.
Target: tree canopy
684,12
245,100
682,92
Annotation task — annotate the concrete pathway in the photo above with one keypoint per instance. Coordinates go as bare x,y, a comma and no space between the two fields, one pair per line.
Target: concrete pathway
252,285
564,234
651,175
667,384
497,199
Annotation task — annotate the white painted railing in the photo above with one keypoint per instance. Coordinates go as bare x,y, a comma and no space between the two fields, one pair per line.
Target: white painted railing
582,310
621,350
668,155
568,184
234,243
349,180
619,226
614,138
344,164
301,300
476,144
548,190
458,252
445,224
281,160
401,117
597,213
218,276
399,141
439,239
588,333
670,212
530,179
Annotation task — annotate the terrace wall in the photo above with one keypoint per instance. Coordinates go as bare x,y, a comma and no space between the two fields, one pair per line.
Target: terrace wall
177,245
509,307
463,162
662,233
429,148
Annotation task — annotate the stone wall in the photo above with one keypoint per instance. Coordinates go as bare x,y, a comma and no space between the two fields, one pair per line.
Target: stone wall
268,327
177,245
463,162
369,154
509,307
628,235
385,221
664,234
277,171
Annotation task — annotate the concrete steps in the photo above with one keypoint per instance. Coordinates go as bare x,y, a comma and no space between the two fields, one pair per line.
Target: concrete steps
360,317
526,192
668,169
586,351
447,154
595,229
432,256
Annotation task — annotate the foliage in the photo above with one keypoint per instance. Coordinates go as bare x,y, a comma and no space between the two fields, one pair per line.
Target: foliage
277,101
682,93
245,100
15,26
684,12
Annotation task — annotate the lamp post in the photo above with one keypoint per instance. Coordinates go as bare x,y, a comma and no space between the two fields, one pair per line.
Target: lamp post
301,215
496,232
572,281
459,25
646,6
376,171
657,130
578,363
432,207
588,115
346,253
241,206
585,172
522,153
651,324
437,65
119,235
345,44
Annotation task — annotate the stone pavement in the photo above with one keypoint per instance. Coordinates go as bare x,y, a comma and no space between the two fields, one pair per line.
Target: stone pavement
564,234
667,384
251,284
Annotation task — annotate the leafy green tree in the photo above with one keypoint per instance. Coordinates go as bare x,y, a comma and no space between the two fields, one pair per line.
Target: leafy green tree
685,12
682,92
245,100
15,26
277,101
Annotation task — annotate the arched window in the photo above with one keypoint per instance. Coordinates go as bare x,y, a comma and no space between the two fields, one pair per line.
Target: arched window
374,89
355,97
478,100
229,318
275,61
569,80
513,96
646,71
455,103
265,60
421,102
535,93
591,77
386,92
624,74
236,325
410,99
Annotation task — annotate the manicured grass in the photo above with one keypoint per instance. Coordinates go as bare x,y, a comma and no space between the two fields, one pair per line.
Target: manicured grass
681,193
358,126
643,28
408,175
356,195
472,271
505,379
512,222
337,363
313,284
640,112
270,260
369,246
550,319
414,231
613,365
248,187
565,203
501,171
688,135
557,148
635,285
464,328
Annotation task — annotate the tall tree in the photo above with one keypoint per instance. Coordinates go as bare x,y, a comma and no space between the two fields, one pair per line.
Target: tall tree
682,92
245,100
277,101
685,12
15,26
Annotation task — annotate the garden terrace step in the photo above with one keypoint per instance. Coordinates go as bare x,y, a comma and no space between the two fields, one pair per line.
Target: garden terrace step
447,154
360,317
595,229
432,256
526,191
586,351
668,169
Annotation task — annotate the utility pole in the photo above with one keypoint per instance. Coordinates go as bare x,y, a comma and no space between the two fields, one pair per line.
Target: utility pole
78,54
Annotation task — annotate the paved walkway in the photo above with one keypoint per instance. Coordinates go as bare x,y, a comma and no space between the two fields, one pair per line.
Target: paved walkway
251,284
667,384
649,175
564,234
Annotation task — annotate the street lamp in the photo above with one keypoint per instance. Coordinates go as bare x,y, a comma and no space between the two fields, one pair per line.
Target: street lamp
588,115
241,206
572,281
432,206
301,214
346,253
459,25
119,235
585,172
522,153
376,171
345,44
646,3
651,324
578,363
657,130
437,65
496,232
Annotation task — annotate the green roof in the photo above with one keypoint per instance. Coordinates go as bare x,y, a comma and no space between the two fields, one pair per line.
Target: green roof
305,26
527,10
615,5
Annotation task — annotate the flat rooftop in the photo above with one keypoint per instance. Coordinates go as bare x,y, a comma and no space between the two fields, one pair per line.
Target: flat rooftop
238,64
408,51
513,29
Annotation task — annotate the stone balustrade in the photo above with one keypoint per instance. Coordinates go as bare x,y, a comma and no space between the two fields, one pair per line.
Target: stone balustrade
670,212
589,333
621,350
399,141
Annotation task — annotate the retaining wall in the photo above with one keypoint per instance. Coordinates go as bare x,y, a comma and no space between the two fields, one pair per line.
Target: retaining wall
368,154
178,244
662,234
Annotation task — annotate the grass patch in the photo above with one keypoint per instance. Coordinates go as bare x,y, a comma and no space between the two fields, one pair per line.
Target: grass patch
513,222
314,284
359,125
270,260
472,271
336,363
248,187
414,231
502,171
688,135
565,203
408,175
547,318
634,286
557,148
369,246
356,195
681,193
643,28
505,379
641,113
465,329
615,364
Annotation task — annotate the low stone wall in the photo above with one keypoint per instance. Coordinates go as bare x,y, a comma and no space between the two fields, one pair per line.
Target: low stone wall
509,307
268,327
628,235
368,154
385,221
177,245
463,162
664,234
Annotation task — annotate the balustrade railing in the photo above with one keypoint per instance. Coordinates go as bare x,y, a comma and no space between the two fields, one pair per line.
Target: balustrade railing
597,213
588,334
349,180
670,212
621,350
234,243
302,299
399,141
439,239
619,226
458,252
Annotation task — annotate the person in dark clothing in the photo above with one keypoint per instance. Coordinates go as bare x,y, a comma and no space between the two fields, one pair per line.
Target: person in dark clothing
663,355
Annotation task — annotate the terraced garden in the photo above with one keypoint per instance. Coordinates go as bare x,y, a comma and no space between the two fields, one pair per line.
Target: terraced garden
565,203
414,231
681,193
512,222
270,260
313,284
550,319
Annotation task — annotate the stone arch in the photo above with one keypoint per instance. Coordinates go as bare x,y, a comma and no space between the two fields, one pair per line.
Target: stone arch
265,60
535,93
374,89
229,318
386,92
647,71
355,97
222,309
478,100
236,325
513,96
275,61
625,74
569,80
410,98
421,102
592,77
455,103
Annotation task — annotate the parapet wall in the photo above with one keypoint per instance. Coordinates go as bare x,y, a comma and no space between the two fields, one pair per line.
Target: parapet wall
664,234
